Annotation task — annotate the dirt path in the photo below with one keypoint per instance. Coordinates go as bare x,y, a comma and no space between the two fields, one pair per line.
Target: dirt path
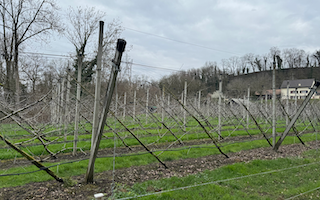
129,176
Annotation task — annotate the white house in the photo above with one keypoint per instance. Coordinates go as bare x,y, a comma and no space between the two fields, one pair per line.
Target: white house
297,88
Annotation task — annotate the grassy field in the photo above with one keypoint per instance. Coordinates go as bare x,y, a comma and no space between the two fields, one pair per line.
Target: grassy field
79,167
251,187
259,179
148,136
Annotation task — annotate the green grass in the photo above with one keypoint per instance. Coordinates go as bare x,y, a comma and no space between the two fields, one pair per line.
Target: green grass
195,133
103,164
276,185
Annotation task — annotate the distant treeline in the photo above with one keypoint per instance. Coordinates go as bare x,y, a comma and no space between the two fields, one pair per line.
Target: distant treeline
239,73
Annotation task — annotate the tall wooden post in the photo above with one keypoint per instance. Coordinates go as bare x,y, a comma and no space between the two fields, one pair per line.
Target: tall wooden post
124,105
98,85
162,106
274,104
182,100
58,102
185,104
67,120
77,114
107,101
134,102
266,102
53,106
295,100
62,113
219,107
116,105
147,106
199,100
287,106
248,106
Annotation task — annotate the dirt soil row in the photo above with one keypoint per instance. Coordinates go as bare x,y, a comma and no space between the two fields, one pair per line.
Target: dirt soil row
131,175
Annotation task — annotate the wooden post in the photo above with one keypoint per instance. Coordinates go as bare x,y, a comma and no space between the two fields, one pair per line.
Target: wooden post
162,106
96,107
208,105
147,106
266,108
62,114
116,105
182,100
107,101
287,106
58,103
219,107
248,106
124,105
134,102
199,100
77,113
295,100
53,106
67,120
244,110
274,105
185,104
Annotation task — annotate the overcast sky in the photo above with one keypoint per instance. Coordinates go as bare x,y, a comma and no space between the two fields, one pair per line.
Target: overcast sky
218,29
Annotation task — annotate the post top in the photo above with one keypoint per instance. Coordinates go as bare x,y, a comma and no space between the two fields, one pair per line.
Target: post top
121,44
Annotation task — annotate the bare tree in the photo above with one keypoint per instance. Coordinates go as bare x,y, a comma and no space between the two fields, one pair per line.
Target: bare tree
32,68
294,57
23,20
84,22
316,55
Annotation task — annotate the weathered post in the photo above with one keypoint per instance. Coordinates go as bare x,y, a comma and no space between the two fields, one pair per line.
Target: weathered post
98,85
274,104
219,107
185,104
107,101
287,106
147,106
62,114
116,105
199,100
134,102
77,114
248,106
162,106
67,120
58,102
124,105
266,108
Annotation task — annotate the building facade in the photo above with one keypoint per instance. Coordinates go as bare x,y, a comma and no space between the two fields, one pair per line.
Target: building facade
299,89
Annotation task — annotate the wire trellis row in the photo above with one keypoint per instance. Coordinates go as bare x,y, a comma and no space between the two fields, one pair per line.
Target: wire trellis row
154,119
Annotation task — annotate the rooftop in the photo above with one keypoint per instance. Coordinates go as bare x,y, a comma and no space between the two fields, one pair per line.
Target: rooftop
299,83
